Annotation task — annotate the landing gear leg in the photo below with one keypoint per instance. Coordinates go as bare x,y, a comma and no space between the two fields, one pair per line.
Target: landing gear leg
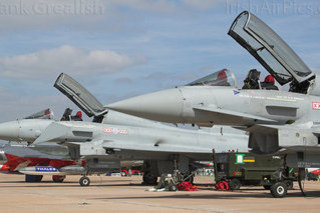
300,178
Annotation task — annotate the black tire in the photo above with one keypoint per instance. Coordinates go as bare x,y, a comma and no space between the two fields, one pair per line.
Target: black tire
149,178
289,184
58,178
84,181
267,187
235,184
173,188
279,190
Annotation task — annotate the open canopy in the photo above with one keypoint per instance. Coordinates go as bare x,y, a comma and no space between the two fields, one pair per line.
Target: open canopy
269,49
44,114
79,95
221,78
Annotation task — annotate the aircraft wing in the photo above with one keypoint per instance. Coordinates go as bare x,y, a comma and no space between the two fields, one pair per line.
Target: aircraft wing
232,114
153,147
52,132
57,132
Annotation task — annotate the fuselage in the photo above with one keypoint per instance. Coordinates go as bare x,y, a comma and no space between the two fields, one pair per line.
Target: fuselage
153,141
202,105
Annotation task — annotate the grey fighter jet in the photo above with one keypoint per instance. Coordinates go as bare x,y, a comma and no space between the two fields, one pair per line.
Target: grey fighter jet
113,136
278,121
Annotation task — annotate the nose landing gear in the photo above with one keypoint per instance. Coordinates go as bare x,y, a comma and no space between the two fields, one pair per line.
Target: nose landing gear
84,181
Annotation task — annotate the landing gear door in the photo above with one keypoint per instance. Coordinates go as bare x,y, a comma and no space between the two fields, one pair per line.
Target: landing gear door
269,49
79,95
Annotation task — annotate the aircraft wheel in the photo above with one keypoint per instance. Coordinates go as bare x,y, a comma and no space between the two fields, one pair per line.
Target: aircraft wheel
289,184
149,178
235,184
84,181
279,190
58,178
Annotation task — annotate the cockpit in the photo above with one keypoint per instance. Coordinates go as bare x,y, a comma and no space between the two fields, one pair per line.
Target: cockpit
283,64
272,52
226,78
221,78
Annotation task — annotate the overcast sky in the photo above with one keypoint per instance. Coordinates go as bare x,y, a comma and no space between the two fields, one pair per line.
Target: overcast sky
122,48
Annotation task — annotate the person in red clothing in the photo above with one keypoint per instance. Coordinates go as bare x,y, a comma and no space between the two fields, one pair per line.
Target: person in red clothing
268,83
77,117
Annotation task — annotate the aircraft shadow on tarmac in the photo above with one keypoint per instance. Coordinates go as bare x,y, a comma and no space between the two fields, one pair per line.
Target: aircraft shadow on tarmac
49,184
42,182
229,195
97,181
244,193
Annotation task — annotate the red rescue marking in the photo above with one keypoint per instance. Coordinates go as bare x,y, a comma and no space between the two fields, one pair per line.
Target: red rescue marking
115,131
316,105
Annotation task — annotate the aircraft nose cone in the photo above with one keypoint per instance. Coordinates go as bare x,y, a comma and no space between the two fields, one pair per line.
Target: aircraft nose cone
9,131
166,105
23,130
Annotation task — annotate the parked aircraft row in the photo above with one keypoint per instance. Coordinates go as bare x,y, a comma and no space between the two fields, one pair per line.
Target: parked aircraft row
277,121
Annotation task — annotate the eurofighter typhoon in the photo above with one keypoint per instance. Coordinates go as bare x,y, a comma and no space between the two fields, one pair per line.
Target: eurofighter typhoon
285,122
113,136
